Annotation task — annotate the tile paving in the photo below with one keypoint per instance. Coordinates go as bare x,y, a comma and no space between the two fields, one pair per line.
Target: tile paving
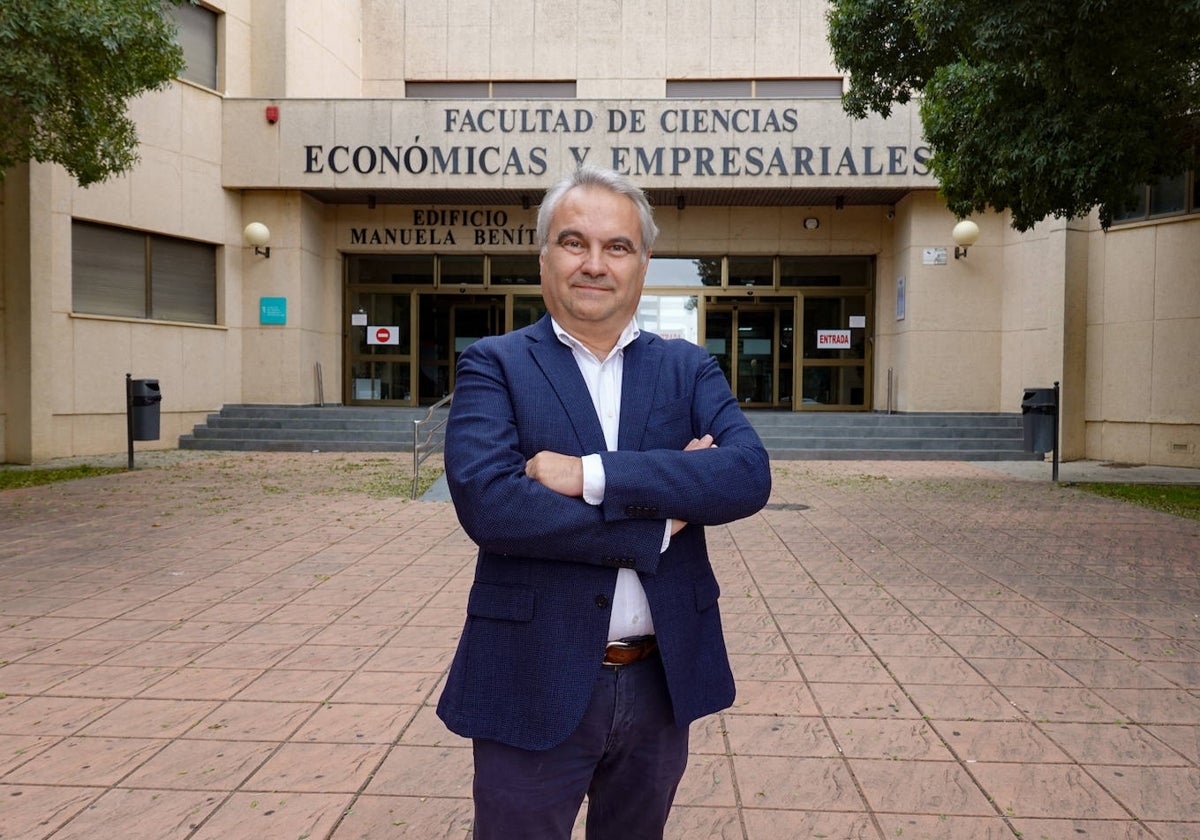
250,646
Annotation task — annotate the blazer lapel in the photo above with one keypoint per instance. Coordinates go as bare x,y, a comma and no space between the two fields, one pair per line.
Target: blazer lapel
639,376
562,373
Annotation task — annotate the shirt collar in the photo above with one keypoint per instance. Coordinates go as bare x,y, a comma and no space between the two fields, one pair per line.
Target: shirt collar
628,336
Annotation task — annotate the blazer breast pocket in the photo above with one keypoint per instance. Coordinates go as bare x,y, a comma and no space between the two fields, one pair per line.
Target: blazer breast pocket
669,425
501,602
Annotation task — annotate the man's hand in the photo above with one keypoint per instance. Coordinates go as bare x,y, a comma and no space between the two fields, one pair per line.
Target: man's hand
561,473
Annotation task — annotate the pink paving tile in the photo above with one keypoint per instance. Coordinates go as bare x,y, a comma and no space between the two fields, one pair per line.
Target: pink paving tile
1091,829
294,685
53,716
202,765
781,698
686,823
33,811
1184,739
254,816
1185,830
120,629
828,644
317,768
387,687
1024,672
776,825
395,658
763,667
203,683
907,740
943,827
778,735
1007,741
1161,706
1114,673
962,702
17,749
707,736
1046,790
924,787
428,730
863,701
844,669
413,817
140,815
77,652
1154,793
345,633
1062,705
755,643
707,781
243,655
424,771
934,670
86,761
241,720
33,678
356,723
160,654
150,719
1112,743
811,784
110,681
312,657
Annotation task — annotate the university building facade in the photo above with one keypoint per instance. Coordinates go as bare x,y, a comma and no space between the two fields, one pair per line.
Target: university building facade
341,195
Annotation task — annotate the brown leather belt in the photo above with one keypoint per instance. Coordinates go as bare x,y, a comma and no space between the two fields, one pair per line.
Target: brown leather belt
628,652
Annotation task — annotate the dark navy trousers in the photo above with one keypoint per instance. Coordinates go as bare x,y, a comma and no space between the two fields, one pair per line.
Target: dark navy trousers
627,756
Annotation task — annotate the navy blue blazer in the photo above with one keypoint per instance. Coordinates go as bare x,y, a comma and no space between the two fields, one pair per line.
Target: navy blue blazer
538,610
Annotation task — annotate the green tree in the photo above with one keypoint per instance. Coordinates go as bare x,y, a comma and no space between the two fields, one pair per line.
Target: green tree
1035,107
67,68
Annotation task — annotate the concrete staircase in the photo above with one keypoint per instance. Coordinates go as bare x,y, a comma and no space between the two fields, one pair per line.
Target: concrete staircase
787,435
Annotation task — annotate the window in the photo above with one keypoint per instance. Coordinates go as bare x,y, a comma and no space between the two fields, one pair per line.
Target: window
1172,196
829,88
489,90
198,37
139,275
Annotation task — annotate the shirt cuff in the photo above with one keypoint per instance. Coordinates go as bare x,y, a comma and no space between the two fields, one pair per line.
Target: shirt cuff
593,479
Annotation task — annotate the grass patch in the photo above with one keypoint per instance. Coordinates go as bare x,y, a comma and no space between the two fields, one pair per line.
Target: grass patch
1176,499
10,479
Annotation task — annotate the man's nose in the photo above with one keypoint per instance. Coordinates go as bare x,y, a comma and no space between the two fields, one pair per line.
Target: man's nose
593,261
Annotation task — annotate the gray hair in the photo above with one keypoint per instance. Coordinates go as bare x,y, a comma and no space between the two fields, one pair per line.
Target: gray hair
590,175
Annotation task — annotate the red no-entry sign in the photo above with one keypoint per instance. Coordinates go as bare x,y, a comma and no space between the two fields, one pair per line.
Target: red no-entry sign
383,335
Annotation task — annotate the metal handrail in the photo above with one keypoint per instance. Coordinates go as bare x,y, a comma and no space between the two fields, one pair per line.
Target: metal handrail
422,449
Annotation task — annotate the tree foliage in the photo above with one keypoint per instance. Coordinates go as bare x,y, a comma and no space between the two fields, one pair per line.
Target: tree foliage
67,69
1044,109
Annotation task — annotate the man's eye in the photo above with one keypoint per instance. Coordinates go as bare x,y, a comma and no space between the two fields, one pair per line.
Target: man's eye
572,244
619,248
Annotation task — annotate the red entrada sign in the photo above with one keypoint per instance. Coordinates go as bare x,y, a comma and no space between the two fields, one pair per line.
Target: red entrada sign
833,339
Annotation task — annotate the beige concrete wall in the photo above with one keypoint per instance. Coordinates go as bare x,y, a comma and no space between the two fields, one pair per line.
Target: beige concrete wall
614,48
1143,316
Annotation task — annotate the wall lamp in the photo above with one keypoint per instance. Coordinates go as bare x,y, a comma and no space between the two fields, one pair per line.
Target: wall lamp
258,235
966,234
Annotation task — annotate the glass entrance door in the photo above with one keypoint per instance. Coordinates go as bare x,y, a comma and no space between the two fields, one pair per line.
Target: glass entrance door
449,324
379,348
836,353
753,345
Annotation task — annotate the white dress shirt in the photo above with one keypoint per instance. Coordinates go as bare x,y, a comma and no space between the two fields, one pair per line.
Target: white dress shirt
630,611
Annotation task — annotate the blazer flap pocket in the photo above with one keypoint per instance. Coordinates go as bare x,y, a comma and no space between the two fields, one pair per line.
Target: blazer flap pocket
508,603
707,593
671,411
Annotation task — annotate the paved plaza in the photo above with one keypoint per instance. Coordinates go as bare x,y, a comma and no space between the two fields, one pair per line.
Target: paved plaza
251,646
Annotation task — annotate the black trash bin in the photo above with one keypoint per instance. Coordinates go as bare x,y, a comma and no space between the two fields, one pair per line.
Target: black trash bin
144,403
1039,417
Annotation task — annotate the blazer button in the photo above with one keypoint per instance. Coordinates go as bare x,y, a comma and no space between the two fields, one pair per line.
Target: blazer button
602,601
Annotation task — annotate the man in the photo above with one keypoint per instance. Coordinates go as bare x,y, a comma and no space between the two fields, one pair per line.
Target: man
584,457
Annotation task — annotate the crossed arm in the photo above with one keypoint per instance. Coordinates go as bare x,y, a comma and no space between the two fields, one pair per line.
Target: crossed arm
564,473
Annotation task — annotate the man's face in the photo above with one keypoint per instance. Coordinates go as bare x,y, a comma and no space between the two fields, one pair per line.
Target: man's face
592,268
